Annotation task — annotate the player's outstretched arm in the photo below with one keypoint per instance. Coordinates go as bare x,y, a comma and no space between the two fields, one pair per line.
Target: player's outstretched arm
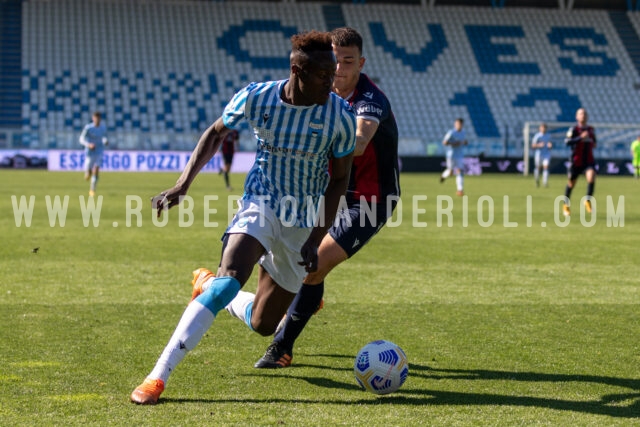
340,170
204,151
365,130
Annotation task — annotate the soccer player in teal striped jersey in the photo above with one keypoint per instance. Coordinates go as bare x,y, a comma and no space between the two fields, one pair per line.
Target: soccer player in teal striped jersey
454,142
94,139
374,188
289,202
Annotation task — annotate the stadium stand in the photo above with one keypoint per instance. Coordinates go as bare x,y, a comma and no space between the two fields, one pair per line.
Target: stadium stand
162,71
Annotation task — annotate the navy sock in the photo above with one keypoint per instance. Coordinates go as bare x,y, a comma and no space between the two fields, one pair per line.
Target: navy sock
226,178
567,192
305,303
590,187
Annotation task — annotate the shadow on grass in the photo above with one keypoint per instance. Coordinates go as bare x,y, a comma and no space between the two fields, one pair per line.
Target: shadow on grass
623,405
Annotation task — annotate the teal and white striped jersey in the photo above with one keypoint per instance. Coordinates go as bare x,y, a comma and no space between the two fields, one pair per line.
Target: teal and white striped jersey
453,135
96,135
545,151
294,145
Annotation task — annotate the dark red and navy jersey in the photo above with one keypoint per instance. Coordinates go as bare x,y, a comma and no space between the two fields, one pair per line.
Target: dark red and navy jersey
581,148
229,143
375,172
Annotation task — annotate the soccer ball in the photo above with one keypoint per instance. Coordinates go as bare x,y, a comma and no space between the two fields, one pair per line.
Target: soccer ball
381,367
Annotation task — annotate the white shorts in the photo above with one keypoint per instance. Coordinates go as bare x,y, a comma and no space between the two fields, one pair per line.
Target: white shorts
540,160
91,160
282,243
455,163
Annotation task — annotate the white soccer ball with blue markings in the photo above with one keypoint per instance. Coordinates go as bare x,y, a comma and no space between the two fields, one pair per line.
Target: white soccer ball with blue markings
381,367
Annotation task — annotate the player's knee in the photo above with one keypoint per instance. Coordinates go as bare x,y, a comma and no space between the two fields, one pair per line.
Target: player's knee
263,327
316,277
238,271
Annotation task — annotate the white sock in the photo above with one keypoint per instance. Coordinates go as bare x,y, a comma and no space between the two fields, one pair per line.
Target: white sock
195,321
545,176
460,182
94,182
238,306
208,283
536,174
446,173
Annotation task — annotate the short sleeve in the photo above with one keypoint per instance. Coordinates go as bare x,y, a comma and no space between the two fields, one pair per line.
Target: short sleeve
234,112
345,141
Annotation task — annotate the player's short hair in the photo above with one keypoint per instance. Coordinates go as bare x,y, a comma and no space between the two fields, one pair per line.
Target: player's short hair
346,36
311,41
97,114
460,119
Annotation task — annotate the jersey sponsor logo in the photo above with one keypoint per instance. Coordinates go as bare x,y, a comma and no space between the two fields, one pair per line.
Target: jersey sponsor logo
292,151
370,109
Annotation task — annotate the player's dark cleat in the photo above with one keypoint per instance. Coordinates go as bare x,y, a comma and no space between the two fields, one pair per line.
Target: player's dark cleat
442,178
148,392
275,357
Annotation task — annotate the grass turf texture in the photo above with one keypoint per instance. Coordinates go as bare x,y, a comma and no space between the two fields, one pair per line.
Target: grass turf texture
501,325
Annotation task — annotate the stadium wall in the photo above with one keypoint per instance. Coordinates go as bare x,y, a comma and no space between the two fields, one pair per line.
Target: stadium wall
168,68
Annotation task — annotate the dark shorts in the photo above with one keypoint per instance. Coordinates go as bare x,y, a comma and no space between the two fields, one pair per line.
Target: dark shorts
356,226
576,171
227,158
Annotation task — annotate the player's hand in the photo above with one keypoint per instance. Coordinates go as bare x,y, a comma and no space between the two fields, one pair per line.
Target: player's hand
309,252
92,146
167,199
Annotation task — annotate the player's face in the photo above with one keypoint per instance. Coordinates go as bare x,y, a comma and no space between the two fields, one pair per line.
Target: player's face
316,77
457,125
350,63
581,116
96,120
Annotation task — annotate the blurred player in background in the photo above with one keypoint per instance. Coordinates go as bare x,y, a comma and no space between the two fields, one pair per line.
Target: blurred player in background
635,157
94,139
582,140
542,145
374,182
454,141
291,164
228,148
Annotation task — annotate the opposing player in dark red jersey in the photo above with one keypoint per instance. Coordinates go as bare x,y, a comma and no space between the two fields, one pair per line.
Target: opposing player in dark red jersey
582,140
373,185
228,148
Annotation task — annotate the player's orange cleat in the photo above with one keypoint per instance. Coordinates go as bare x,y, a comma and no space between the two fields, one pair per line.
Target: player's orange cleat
200,276
565,210
459,193
587,205
148,392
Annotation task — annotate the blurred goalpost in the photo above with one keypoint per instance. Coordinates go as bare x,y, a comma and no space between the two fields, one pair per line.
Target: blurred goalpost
614,140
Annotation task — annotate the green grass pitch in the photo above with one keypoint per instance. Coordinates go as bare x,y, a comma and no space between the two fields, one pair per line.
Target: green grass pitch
504,321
